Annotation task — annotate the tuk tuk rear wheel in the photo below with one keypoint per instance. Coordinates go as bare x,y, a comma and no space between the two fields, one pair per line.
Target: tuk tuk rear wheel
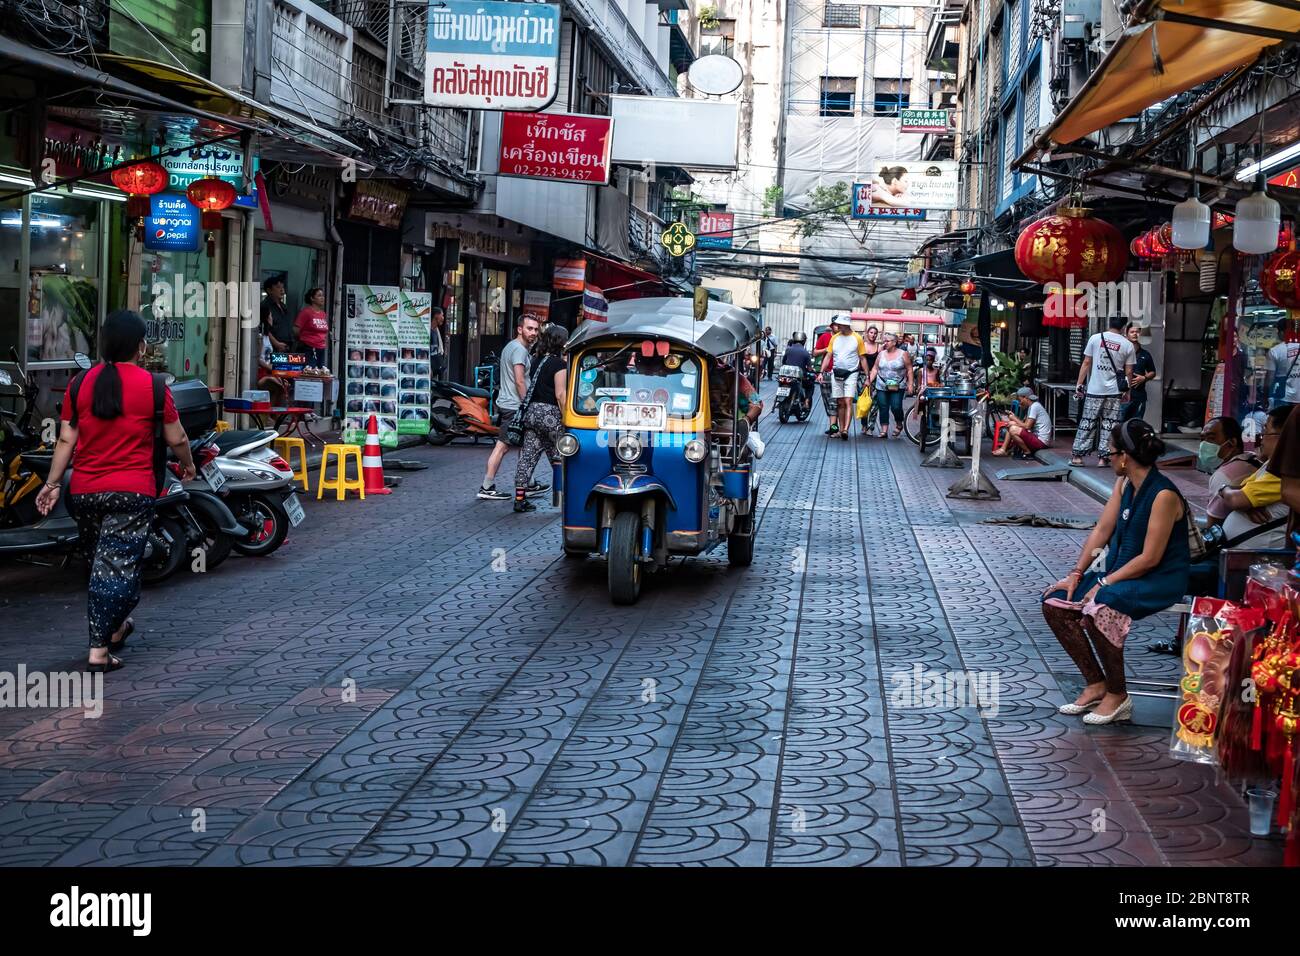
740,543
624,568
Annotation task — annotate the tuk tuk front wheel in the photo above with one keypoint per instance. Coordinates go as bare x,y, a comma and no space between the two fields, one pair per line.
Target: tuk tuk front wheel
624,549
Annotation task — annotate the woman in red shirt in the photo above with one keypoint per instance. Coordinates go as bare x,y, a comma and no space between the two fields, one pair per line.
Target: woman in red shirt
313,328
114,484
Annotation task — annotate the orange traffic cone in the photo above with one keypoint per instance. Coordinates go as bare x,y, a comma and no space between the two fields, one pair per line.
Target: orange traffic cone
372,461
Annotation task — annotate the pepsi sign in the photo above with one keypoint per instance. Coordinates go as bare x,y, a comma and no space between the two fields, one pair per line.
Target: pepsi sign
172,224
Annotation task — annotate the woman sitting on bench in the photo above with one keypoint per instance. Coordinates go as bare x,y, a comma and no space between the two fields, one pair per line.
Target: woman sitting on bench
1144,531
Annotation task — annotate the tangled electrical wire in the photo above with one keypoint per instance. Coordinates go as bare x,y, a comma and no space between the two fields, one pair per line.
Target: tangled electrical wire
68,29
392,155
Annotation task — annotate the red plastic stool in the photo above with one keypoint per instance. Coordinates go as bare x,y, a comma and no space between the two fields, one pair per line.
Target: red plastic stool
998,429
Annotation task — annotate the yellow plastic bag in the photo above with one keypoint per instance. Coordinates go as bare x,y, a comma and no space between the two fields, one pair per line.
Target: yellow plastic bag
864,403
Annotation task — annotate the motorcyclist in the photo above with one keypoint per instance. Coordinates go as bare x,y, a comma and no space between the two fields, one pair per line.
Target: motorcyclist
797,354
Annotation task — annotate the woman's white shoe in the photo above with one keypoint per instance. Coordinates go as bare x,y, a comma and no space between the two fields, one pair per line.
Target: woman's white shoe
1123,712
1074,710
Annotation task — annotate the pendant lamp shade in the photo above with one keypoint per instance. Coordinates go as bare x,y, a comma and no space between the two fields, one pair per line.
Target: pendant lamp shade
1191,224
1256,223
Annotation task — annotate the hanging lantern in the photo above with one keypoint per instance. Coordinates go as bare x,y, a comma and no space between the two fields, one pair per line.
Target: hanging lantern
1258,222
1191,224
1286,237
211,195
1071,246
908,295
967,287
139,181
1160,246
1279,280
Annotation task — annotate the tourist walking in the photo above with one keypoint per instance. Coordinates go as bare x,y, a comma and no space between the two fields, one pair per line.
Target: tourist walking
542,419
1103,384
111,420
1143,531
515,363
846,359
892,379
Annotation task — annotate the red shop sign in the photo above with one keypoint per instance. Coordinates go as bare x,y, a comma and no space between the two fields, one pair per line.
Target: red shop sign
568,147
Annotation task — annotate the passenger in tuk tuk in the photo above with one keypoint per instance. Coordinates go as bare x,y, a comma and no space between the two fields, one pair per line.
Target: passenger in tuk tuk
722,377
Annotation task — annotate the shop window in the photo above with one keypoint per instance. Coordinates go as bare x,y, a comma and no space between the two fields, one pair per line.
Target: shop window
493,302
63,298
720,39
891,96
12,334
837,95
841,15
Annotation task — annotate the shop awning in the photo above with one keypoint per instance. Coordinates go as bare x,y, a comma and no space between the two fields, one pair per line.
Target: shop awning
1170,46
286,138
618,280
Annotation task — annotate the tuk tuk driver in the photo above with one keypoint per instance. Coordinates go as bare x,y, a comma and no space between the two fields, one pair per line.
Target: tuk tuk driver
749,407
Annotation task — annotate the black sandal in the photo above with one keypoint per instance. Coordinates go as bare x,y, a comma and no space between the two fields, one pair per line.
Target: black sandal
118,645
112,664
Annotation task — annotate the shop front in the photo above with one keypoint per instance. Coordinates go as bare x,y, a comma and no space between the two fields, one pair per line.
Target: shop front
482,291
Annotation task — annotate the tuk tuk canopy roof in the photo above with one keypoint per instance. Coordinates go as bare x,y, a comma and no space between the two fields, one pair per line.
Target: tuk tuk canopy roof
726,328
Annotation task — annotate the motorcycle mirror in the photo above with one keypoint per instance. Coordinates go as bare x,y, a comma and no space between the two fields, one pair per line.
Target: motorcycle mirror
83,360
4,378
169,379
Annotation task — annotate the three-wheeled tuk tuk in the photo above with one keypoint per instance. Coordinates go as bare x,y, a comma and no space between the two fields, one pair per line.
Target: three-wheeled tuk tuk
654,460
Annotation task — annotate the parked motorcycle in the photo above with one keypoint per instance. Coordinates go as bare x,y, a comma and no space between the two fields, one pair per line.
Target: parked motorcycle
53,534
247,474
18,483
794,391
460,411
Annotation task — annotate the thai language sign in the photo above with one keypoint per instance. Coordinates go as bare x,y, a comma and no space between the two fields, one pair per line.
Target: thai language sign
914,184
172,223
492,55
570,147
716,229
387,367
862,208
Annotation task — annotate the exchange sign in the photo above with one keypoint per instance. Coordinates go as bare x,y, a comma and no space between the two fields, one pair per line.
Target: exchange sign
923,121
569,147
677,239
492,55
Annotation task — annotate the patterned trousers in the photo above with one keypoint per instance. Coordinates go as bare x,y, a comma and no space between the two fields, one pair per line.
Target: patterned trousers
542,426
1103,410
114,528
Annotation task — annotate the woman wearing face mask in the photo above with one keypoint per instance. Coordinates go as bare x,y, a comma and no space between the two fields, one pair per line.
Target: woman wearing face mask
1144,531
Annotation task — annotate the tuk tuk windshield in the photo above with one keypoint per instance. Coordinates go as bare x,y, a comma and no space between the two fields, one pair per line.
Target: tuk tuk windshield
625,374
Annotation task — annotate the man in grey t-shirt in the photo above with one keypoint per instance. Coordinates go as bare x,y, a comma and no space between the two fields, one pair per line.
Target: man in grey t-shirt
511,388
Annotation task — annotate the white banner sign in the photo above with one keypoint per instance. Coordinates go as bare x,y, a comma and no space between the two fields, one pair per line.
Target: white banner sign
914,184
492,55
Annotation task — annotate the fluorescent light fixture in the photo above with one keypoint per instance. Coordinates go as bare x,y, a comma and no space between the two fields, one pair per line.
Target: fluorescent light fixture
35,223
1281,156
52,191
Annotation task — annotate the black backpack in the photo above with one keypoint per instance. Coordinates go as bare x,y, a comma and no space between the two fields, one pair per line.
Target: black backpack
159,443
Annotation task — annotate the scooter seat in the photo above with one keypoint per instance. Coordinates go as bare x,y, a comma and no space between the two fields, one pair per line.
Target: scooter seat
234,438
39,462
49,533
465,391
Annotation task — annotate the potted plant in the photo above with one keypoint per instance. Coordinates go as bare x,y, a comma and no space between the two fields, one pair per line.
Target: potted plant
1005,376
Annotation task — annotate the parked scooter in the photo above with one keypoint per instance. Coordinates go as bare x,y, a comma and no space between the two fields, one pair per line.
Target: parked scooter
244,471
794,393
18,483
460,411
53,534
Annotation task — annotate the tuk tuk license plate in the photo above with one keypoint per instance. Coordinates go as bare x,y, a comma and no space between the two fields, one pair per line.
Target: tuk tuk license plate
214,477
294,507
633,415
782,392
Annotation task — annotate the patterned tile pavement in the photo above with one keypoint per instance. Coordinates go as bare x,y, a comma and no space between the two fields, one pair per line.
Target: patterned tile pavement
422,680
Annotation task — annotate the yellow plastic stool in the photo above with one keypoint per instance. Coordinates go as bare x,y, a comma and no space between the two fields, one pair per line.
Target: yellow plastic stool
340,484
222,426
286,445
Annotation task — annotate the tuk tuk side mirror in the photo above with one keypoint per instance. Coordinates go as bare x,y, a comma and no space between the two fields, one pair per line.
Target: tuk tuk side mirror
83,360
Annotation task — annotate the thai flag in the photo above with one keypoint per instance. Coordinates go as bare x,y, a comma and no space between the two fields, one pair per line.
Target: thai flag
595,307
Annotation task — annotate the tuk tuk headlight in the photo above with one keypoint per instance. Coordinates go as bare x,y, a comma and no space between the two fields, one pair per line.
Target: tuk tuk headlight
628,447
566,445
696,451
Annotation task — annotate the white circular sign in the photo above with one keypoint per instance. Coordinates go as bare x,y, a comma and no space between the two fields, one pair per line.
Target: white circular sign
715,74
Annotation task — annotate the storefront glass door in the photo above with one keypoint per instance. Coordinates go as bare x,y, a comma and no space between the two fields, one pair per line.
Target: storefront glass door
175,303
64,267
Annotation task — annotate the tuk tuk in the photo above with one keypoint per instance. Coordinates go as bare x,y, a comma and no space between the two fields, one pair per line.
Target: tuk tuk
653,461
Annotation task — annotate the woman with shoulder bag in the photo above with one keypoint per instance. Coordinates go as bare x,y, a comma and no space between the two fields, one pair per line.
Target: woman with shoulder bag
109,419
1144,531
892,377
540,418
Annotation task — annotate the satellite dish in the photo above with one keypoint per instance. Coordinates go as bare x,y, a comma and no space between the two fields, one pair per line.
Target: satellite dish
715,74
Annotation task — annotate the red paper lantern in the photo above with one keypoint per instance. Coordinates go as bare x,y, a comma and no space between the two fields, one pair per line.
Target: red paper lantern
211,196
139,181
1279,280
1286,236
1160,247
967,287
908,295
1072,246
